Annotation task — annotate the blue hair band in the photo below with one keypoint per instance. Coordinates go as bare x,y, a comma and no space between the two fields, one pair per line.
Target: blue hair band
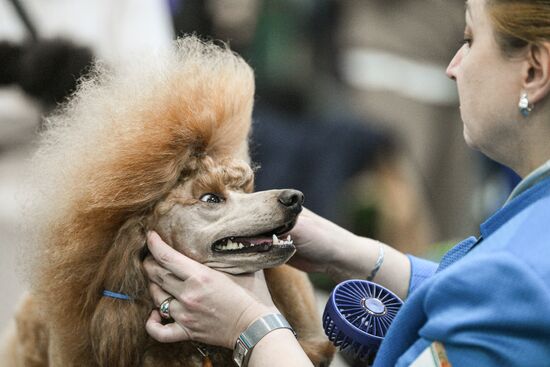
110,294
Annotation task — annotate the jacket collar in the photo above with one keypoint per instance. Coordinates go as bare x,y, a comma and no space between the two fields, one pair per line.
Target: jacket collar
531,189
530,180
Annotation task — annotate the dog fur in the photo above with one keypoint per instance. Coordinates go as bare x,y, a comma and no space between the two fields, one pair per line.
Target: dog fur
106,171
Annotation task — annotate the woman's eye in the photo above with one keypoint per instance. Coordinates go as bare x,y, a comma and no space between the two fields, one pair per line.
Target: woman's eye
468,39
211,198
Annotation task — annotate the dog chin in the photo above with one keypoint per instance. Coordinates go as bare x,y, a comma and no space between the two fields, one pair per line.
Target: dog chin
238,264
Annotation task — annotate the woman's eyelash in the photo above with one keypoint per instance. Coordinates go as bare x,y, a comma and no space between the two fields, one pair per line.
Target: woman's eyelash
467,40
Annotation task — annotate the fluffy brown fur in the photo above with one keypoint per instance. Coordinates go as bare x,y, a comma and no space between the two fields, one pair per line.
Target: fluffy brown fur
119,147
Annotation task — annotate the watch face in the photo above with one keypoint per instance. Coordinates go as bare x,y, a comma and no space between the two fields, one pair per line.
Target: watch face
239,352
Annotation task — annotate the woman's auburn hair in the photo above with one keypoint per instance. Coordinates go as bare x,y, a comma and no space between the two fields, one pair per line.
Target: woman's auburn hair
518,23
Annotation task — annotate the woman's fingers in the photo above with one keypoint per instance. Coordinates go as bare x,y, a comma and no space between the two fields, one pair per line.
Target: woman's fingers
158,294
168,333
172,260
162,277
154,271
176,310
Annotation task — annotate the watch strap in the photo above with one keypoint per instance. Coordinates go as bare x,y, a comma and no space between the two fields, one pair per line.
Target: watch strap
254,333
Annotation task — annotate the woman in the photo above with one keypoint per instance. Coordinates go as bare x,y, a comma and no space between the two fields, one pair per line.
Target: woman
486,303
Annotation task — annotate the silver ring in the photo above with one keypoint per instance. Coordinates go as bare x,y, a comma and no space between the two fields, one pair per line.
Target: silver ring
164,308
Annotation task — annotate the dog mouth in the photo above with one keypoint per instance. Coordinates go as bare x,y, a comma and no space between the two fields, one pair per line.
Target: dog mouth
276,238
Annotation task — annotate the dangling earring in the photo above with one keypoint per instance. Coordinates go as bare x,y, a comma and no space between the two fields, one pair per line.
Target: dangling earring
524,106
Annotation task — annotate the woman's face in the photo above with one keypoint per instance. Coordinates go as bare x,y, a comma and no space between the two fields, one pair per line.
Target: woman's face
489,86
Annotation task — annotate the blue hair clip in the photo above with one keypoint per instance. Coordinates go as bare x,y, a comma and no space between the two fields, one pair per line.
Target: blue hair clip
110,294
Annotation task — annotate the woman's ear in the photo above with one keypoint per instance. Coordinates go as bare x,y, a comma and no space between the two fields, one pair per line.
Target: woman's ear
117,329
536,77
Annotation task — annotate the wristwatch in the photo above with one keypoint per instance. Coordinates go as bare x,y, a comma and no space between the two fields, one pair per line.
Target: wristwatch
254,333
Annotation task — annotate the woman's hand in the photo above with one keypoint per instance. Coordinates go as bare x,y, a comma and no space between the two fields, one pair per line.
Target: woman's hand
208,306
320,244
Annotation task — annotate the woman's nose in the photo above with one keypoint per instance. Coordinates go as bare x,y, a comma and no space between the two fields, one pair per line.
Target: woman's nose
453,65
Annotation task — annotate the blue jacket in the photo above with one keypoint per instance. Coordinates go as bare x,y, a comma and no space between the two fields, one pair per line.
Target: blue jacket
491,307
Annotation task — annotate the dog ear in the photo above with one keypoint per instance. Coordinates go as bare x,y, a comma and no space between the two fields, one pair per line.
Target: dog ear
117,329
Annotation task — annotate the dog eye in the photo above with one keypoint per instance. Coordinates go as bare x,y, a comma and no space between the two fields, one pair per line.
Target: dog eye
211,198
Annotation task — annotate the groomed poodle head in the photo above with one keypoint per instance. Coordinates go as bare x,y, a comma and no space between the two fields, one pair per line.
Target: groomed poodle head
161,144
213,217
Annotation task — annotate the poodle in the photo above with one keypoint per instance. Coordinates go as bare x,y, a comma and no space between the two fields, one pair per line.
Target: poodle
160,145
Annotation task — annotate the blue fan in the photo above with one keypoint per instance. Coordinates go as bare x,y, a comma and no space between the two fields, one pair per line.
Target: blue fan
357,316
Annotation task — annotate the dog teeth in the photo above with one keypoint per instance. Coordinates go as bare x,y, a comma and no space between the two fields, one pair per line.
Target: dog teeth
230,245
233,245
277,241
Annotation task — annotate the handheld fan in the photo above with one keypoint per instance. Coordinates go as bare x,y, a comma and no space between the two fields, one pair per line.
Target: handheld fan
357,316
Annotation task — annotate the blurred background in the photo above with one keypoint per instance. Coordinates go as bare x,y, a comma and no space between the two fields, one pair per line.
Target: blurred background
352,107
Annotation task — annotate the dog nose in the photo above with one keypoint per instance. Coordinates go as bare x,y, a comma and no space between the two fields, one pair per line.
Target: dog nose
292,199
